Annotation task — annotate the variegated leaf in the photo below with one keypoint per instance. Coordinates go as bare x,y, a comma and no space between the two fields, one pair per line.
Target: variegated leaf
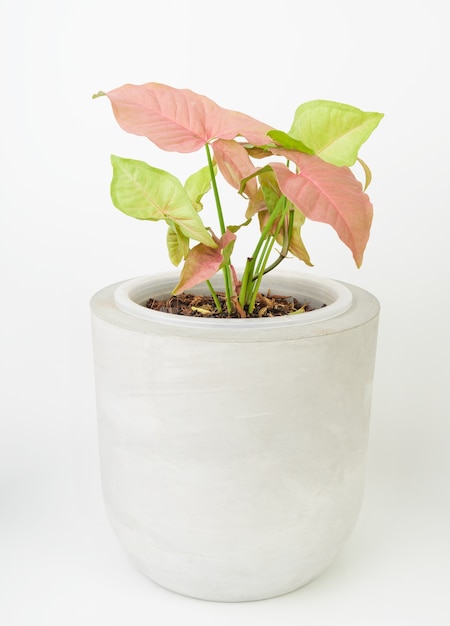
330,194
202,263
332,130
179,119
147,193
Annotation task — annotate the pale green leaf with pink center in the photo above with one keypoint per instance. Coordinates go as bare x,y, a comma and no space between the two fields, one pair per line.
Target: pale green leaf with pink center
179,119
332,130
148,193
202,262
326,193
196,186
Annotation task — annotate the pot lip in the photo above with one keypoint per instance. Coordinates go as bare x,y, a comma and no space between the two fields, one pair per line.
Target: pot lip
130,295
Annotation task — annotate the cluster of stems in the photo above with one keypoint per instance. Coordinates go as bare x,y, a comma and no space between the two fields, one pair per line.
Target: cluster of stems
279,226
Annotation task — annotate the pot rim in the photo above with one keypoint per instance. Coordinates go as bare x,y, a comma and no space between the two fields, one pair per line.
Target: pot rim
130,297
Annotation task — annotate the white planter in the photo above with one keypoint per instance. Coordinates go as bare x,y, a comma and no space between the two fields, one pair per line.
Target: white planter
232,451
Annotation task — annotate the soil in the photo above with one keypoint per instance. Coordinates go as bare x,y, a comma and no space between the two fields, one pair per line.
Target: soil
192,305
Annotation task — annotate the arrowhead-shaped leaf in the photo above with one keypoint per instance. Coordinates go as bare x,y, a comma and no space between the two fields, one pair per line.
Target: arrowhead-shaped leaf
202,263
332,130
330,194
179,119
147,193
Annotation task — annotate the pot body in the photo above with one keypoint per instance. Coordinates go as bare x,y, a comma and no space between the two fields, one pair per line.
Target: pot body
232,458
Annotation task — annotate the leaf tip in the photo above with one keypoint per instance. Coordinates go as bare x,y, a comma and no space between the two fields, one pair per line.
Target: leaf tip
99,94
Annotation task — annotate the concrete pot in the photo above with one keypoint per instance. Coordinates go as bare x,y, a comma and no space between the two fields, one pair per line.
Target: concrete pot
232,451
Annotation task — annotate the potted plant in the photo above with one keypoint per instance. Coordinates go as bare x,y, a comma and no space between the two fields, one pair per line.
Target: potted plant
233,404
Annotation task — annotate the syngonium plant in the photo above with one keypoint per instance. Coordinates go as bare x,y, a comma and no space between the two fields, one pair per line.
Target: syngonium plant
310,177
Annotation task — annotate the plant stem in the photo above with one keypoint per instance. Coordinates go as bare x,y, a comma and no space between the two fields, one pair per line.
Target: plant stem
229,292
260,264
264,260
259,277
286,243
259,259
248,272
214,296
215,190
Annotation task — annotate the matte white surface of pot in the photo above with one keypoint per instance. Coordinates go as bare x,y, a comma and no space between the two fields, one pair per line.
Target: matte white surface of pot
232,451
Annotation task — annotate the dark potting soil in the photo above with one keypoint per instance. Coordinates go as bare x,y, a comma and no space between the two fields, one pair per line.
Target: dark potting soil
192,305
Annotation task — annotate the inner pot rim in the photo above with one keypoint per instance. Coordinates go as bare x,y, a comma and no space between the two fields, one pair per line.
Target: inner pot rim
130,297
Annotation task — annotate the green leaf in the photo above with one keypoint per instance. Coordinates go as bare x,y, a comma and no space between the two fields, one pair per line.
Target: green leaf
286,141
147,193
177,244
332,130
197,185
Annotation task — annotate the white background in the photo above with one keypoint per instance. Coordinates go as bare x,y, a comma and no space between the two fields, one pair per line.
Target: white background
61,240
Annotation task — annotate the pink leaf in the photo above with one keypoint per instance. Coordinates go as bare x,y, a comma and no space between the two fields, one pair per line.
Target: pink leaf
235,164
203,262
200,265
179,119
328,193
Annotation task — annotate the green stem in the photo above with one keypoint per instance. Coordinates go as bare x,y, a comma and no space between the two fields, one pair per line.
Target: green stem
259,258
214,296
260,264
248,272
215,190
286,243
264,260
267,228
226,268
259,277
